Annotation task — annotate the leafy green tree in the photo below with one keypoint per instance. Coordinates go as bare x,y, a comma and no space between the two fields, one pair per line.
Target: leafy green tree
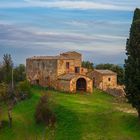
7,67
87,64
132,63
115,68
19,73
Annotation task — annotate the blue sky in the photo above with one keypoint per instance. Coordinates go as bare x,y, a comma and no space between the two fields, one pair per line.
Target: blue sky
96,28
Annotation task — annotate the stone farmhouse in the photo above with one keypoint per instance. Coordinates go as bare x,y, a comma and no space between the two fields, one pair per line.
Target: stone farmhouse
65,73
103,79
62,72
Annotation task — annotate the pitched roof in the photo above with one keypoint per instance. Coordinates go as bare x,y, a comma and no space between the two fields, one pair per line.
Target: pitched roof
105,72
70,52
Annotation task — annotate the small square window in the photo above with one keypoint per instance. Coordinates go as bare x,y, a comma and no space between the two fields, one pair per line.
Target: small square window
109,79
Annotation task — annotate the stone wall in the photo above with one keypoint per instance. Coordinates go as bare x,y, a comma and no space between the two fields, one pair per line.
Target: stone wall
63,85
74,55
109,81
103,81
88,81
61,67
43,71
97,79
116,91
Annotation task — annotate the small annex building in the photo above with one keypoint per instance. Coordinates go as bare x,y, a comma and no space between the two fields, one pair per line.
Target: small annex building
103,79
62,72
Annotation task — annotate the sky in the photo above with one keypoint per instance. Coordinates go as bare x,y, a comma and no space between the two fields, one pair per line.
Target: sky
96,28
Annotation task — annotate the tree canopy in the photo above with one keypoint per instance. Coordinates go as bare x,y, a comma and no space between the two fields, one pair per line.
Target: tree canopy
132,63
87,64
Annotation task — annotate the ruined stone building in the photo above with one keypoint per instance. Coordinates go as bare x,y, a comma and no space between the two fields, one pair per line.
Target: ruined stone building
103,79
62,72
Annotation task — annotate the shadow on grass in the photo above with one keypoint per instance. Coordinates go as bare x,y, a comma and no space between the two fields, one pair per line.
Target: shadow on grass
68,126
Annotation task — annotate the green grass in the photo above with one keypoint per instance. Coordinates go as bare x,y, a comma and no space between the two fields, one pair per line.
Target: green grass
96,116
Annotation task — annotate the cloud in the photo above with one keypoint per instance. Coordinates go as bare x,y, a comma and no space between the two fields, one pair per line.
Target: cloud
10,32
36,41
63,4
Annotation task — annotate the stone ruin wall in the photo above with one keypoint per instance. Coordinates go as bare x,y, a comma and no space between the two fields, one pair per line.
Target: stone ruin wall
112,83
61,67
43,70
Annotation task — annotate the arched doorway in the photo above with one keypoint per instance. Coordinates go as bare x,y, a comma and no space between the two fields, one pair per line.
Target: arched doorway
81,84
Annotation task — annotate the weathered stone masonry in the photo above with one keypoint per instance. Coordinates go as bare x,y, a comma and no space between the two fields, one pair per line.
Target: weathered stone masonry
62,72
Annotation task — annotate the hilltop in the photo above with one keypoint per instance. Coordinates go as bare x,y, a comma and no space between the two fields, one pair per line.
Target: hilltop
96,116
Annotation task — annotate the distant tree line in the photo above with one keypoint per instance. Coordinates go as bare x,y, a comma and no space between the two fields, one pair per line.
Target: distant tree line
115,68
6,68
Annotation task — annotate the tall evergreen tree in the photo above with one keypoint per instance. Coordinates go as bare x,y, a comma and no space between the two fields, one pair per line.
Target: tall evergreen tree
132,63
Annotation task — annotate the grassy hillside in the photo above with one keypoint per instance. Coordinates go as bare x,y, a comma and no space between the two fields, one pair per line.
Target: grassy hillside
79,117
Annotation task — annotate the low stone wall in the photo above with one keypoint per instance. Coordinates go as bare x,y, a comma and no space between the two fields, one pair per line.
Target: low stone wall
117,91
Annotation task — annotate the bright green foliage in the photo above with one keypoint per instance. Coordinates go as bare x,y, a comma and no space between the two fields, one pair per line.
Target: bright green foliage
132,64
96,116
119,70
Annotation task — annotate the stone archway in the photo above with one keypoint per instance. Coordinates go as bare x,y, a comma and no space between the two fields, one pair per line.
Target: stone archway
81,85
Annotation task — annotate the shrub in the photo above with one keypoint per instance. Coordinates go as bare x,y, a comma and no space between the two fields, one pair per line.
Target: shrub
23,90
44,112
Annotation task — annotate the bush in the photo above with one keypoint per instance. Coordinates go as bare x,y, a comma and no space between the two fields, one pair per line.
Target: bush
44,112
1,117
23,90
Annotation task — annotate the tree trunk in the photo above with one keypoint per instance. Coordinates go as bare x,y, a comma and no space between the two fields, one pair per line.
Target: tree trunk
10,118
138,112
10,107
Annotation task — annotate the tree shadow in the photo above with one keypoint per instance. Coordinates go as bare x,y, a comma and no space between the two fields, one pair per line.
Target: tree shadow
68,124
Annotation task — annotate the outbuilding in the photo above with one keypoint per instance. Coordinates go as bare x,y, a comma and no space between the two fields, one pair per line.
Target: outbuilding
103,79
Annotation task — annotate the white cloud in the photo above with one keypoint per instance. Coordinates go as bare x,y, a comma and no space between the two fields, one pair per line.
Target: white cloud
82,5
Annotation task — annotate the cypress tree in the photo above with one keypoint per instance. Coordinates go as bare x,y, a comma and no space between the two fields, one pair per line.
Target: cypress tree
132,63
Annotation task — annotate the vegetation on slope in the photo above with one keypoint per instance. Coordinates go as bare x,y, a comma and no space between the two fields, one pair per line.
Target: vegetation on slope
79,117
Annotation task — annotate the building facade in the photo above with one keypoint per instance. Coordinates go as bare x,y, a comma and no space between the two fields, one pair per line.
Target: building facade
103,79
62,72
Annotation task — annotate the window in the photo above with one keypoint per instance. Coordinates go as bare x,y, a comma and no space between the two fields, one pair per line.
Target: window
77,69
109,79
67,65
